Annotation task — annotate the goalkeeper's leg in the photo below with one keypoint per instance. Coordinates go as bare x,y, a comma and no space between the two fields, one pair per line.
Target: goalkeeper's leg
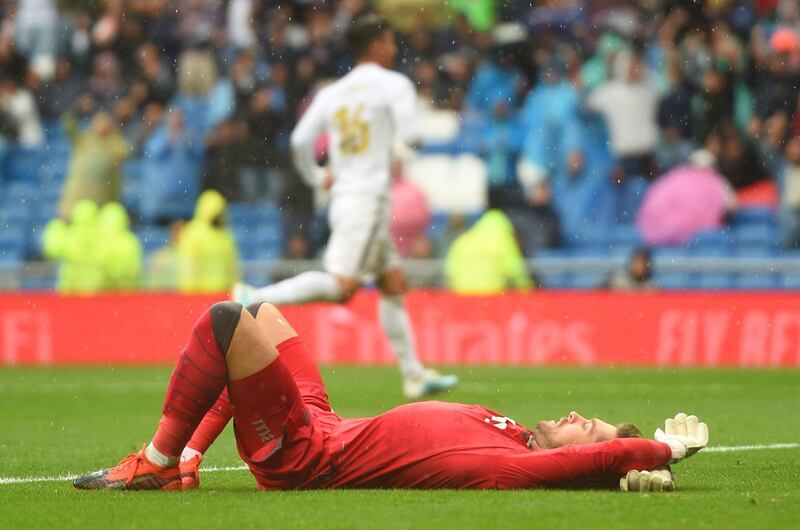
225,345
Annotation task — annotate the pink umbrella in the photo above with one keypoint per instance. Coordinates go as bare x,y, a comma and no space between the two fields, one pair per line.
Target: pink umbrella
680,204
410,214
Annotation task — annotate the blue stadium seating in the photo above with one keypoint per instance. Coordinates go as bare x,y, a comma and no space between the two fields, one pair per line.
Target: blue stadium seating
756,235
757,281
556,280
712,239
755,251
626,234
269,213
33,181
269,252
592,280
711,281
14,215
243,215
589,251
22,165
39,284
12,245
152,237
44,212
762,216
671,280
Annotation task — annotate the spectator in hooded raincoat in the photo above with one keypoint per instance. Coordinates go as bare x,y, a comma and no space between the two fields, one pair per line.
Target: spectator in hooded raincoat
486,258
95,166
78,246
121,251
207,257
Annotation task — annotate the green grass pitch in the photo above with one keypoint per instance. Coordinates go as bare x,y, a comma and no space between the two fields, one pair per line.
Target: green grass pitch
61,421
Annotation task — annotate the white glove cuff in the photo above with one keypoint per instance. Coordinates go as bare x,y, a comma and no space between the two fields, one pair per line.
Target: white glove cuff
678,450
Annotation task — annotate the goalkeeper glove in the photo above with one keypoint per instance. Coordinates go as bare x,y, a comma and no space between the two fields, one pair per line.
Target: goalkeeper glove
684,434
656,480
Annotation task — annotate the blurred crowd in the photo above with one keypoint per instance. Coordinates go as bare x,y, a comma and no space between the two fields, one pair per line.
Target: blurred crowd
574,106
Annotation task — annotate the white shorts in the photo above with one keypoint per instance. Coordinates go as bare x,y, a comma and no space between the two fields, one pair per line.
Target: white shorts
360,243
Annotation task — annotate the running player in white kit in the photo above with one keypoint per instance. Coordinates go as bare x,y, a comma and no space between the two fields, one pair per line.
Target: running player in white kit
366,113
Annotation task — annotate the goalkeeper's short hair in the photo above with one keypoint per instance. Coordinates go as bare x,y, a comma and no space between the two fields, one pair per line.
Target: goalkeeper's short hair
628,430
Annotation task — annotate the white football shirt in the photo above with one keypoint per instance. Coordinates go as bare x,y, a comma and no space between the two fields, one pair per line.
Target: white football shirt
364,112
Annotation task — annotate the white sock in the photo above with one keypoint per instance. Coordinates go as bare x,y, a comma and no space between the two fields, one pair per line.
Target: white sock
397,327
305,287
159,458
189,453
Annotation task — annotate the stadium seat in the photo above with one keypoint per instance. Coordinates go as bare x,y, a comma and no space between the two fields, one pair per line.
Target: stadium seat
672,280
19,192
52,172
269,252
590,280
588,252
34,240
790,281
243,215
712,239
711,281
597,237
12,214
665,278
757,281
755,215
552,281
631,199
247,251
437,228
12,245
626,234
756,235
22,165
621,253
39,284
257,277
268,213
755,251
45,212
268,234
153,237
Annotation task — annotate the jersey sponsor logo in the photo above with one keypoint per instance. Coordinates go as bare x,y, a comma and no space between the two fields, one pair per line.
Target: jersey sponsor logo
501,422
264,434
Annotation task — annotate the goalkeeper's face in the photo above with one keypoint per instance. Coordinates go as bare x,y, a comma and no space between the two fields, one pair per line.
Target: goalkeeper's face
572,429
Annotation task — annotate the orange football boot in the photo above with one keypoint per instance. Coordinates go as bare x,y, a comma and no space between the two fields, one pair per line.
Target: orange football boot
190,472
135,472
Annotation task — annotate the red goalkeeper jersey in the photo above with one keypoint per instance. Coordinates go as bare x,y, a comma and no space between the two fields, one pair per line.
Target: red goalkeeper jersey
449,445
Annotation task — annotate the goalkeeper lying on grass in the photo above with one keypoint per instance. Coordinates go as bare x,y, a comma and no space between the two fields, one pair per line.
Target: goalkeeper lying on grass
250,365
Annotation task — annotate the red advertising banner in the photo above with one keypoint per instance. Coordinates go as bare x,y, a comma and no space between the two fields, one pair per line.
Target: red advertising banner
577,328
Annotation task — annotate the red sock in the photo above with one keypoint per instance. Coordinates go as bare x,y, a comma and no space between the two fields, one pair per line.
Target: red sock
212,425
197,381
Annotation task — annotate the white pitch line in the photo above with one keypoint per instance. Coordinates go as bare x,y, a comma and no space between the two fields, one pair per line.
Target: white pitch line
735,448
216,469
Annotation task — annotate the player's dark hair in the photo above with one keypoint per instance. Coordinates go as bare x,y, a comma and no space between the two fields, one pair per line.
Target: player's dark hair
628,430
363,32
